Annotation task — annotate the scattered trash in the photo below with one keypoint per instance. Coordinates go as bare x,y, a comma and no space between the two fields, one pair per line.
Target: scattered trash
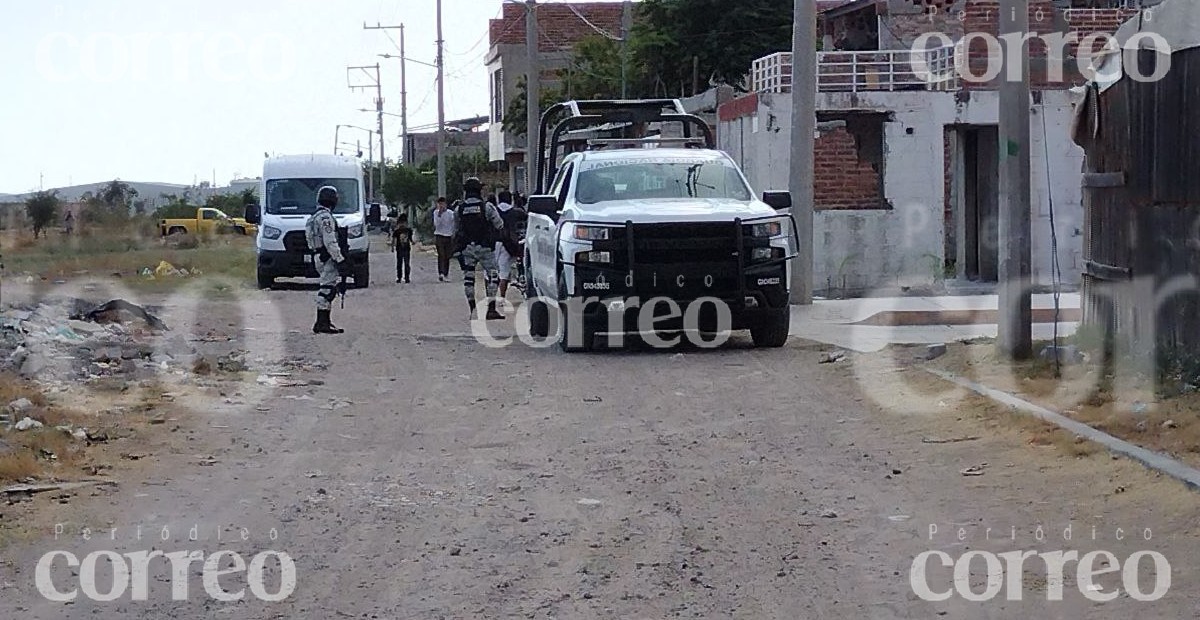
30,489
974,470
28,423
207,461
592,399
829,514
285,381
832,356
1139,407
121,311
899,518
587,501
1069,354
234,362
1170,424
950,439
934,351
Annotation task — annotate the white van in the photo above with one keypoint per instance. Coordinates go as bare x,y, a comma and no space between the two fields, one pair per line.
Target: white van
289,196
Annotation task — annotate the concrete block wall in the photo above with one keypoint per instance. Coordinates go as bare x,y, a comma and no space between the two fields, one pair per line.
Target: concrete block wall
861,250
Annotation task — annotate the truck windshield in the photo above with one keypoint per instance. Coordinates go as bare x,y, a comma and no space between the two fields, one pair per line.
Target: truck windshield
606,180
299,196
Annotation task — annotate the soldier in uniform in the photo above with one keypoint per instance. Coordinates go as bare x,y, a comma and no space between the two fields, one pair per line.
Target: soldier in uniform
332,258
478,227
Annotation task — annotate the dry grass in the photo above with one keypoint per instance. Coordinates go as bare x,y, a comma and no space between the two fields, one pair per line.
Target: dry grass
1087,394
107,251
42,452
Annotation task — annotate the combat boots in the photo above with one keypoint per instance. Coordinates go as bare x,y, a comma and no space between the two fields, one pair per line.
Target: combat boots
492,313
324,326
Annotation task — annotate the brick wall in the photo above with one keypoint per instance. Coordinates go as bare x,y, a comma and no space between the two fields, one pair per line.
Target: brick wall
1091,21
843,180
983,16
561,26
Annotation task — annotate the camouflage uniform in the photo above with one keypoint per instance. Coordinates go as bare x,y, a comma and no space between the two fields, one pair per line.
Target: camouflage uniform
321,232
478,226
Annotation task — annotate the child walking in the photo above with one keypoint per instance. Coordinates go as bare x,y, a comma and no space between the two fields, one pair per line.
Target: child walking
402,242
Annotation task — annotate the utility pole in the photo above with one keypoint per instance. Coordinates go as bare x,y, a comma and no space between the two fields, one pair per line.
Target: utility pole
626,26
804,127
378,86
533,98
1015,329
441,81
403,89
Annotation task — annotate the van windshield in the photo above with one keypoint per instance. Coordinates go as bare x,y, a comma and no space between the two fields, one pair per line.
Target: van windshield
642,178
299,196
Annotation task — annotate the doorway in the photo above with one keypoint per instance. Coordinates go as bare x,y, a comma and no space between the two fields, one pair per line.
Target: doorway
975,205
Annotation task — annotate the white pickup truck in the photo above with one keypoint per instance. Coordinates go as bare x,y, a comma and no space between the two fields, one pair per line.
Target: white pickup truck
636,230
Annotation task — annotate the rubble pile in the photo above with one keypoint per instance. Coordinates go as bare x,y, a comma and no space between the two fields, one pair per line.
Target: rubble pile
73,340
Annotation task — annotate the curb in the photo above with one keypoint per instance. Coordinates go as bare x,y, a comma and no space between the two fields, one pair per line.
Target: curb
1159,462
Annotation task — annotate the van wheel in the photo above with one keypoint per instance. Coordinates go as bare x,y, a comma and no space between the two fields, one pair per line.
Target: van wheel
772,332
362,276
265,280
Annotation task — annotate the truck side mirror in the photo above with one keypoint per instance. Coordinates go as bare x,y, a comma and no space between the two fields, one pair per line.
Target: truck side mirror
253,214
780,201
544,205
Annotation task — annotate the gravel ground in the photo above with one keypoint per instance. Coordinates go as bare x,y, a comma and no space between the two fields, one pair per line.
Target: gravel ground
428,476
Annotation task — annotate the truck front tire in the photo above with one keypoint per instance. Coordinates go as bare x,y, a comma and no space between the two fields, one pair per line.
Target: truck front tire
772,332
568,341
265,279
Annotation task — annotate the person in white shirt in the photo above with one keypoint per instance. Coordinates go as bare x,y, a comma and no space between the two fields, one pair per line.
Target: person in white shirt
443,237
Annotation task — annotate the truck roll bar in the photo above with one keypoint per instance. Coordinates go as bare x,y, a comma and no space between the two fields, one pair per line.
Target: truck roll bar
632,116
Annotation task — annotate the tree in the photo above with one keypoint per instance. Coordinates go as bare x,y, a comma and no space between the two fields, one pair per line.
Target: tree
668,34
595,72
407,186
42,209
514,116
176,208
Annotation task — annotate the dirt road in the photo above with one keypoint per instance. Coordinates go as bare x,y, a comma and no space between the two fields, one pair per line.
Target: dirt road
429,476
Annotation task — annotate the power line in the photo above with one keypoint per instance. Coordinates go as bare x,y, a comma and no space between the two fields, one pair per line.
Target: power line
589,23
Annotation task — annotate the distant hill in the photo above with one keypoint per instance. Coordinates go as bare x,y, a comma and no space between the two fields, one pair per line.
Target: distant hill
155,194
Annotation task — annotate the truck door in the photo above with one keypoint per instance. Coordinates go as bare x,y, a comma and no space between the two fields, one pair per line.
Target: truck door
541,238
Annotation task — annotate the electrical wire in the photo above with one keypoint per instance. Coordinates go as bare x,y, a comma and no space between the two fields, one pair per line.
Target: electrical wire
585,20
1056,264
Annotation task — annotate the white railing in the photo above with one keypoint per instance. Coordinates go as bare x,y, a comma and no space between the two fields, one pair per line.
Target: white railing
883,70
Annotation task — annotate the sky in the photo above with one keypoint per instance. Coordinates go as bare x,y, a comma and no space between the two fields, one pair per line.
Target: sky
183,91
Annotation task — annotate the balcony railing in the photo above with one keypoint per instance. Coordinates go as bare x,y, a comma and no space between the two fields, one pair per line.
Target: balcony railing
883,70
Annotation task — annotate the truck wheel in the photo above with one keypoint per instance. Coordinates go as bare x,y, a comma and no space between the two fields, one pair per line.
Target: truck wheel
539,309
568,341
772,332
174,230
265,279
362,276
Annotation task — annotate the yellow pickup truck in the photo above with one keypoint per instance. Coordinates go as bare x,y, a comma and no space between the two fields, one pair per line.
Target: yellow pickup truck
207,222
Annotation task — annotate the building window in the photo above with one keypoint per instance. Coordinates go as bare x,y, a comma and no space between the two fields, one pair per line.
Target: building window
498,96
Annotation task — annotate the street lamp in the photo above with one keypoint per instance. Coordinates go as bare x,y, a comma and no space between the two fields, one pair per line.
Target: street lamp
371,189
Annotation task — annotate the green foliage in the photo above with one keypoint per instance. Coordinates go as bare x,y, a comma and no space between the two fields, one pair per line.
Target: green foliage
233,205
595,71
515,120
111,206
461,165
42,209
176,208
408,186
667,34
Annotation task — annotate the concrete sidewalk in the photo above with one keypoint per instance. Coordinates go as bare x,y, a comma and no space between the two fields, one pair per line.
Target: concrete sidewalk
833,321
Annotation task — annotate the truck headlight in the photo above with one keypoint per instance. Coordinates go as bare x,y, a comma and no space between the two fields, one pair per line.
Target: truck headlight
270,232
766,230
594,257
355,231
591,233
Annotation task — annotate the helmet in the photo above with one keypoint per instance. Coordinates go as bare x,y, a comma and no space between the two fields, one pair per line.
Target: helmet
327,196
473,187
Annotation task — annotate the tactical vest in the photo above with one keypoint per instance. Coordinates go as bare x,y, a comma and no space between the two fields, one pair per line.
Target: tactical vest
474,224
